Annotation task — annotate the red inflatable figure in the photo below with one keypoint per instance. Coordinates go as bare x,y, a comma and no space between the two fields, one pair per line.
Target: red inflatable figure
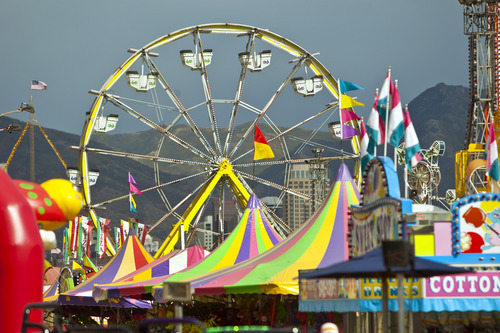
22,256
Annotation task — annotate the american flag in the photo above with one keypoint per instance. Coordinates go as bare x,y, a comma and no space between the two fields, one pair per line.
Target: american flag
38,85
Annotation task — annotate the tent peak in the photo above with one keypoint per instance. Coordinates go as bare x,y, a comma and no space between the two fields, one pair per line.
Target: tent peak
253,202
344,174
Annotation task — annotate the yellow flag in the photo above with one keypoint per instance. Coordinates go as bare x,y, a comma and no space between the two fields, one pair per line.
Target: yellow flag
261,147
77,267
348,102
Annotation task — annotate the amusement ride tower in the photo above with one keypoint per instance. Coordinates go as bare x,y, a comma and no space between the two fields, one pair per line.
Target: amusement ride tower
481,25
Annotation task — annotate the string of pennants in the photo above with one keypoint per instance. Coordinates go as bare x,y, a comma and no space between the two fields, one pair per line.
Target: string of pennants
77,237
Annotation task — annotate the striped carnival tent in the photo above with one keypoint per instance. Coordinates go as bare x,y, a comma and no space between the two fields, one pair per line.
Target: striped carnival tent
170,263
131,256
253,235
319,243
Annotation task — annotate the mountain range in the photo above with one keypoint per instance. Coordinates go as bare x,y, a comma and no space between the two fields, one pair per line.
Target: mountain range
439,113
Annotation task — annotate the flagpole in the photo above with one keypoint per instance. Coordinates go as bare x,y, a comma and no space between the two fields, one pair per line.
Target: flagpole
253,177
341,123
387,110
340,114
395,148
32,139
376,143
129,205
406,168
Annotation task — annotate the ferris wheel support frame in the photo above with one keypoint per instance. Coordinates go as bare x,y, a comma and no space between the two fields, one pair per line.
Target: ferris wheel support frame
225,169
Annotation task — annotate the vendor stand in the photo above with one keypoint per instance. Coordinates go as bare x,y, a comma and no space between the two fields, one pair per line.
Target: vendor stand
467,239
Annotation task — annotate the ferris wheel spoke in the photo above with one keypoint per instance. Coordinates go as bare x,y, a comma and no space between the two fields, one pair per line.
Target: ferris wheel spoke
319,145
267,106
184,200
280,134
303,122
115,100
271,214
239,91
183,111
313,133
156,187
208,97
271,162
292,161
274,185
140,156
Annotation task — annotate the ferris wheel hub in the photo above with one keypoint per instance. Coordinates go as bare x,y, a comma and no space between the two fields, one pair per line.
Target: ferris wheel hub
225,167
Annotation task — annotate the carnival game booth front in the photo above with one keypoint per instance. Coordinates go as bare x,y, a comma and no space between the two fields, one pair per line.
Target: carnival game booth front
463,238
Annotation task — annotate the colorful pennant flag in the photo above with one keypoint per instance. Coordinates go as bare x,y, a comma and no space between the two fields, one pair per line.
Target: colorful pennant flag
77,267
142,231
347,102
349,132
66,246
131,179
46,267
348,115
261,147
38,85
117,237
348,86
80,242
102,236
132,189
375,127
412,145
87,227
396,119
124,230
383,98
88,264
74,232
132,205
491,152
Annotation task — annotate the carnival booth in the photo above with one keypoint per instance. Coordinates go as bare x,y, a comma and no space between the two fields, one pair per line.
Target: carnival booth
464,238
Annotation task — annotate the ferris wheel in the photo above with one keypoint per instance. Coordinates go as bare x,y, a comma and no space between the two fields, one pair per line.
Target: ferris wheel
197,94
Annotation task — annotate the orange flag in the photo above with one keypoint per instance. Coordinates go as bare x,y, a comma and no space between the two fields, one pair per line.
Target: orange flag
261,147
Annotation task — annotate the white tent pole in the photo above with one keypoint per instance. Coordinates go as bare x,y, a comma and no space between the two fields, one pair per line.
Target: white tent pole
387,106
401,304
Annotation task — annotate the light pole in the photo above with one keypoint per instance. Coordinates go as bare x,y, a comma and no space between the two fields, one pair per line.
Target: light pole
24,107
12,127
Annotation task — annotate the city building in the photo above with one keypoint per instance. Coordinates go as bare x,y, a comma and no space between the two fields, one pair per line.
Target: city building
311,180
230,220
208,236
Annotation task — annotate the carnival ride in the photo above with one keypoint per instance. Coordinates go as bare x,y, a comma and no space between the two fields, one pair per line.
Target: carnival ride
481,25
423,179
232,78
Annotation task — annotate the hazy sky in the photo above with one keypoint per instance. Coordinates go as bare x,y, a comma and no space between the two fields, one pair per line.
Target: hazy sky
74,46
